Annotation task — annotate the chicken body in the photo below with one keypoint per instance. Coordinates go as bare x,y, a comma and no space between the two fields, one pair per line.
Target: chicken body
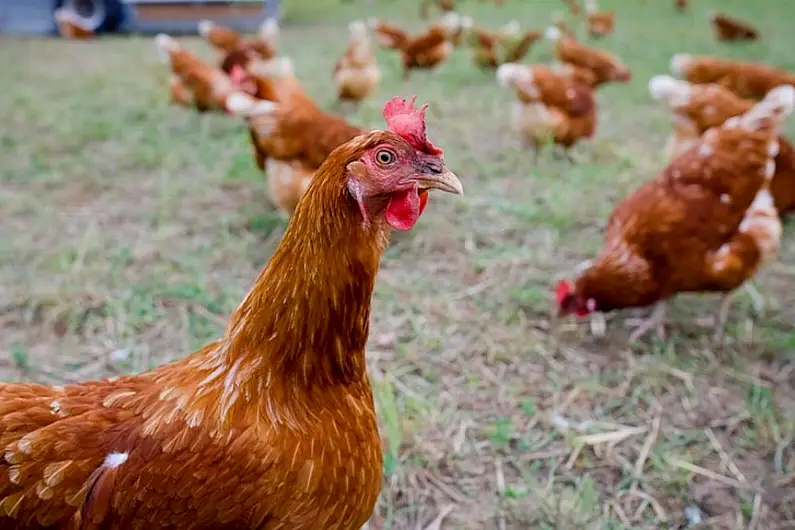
290,134
227,40
356,74
731,29
577,74
705,223
485,46
698,108
270,427
69,27
747,80
514,44
387,35
600,23
573,7
605,67
192,81
549,106
428,50
445,6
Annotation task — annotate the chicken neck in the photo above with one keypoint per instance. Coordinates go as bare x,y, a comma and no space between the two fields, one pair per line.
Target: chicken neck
306,319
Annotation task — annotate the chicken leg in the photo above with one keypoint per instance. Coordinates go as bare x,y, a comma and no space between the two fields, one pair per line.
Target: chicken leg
757,301
655,321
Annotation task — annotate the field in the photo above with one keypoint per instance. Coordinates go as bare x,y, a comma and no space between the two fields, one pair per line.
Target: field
131,228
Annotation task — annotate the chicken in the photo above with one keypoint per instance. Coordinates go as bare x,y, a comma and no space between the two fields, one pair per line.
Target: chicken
573,6
69,27
192,81
731,29
460,34
559,22
445,6
431,48
290,134
222,38
600,23
706,223
227,40
485,48
549,106
387,35
514,43
746,79
356,74
605,66
575,73
271,426
698,108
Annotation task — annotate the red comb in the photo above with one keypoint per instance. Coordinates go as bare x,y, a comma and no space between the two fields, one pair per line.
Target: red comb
237,73
409,123
562,290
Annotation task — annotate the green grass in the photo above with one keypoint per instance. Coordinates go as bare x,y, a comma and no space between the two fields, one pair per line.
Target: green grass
132,228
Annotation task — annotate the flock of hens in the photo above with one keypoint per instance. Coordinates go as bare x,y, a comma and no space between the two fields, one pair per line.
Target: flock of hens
273,426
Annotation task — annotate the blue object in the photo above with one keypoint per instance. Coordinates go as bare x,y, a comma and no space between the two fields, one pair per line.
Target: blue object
27,17
35,17
243,23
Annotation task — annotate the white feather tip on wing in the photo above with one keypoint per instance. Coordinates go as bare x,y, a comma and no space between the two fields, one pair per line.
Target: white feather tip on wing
552,33
781,99
672,91
205,27
777,105
241,104
679,63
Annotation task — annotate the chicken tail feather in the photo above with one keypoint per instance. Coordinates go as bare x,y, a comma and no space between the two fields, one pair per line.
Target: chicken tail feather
770,112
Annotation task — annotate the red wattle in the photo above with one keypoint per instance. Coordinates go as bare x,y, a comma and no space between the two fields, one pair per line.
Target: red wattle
404,209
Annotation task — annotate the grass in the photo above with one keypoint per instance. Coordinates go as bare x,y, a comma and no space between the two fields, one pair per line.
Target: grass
132,228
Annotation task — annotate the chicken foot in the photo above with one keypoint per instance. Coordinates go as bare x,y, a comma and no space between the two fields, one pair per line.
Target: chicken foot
757,301
655,321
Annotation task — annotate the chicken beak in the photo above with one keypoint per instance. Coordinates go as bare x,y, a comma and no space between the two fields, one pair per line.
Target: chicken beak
442,180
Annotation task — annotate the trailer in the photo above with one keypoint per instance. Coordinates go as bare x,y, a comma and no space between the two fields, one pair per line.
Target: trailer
35,17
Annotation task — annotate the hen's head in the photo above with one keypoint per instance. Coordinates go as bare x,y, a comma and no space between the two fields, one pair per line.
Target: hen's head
569,301
620,73
395,169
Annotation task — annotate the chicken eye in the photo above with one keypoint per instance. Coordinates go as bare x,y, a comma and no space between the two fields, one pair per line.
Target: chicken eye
385,157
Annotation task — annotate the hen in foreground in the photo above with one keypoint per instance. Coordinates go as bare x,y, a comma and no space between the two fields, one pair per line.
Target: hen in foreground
270,426
706,223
